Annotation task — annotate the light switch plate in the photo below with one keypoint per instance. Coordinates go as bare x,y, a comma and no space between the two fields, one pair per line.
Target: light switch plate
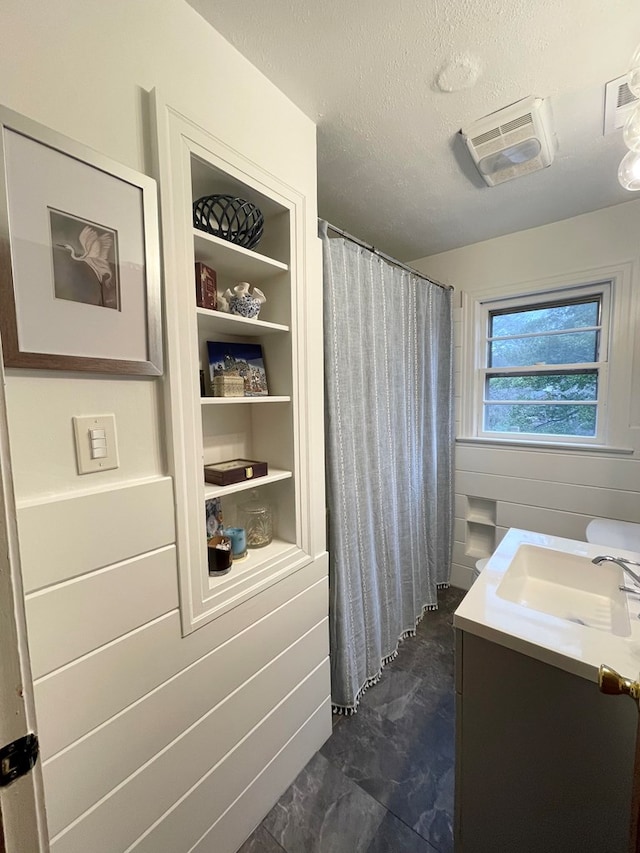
82,427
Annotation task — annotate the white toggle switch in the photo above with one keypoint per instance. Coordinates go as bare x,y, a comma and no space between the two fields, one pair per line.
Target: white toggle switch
96,447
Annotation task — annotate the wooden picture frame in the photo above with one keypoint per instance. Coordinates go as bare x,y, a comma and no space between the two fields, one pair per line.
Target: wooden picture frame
79,257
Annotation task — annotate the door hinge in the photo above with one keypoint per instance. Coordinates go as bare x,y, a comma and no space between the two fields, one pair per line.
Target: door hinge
18,758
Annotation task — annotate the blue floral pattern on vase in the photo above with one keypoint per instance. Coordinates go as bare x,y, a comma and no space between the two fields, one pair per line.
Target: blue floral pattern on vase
243,303
245,306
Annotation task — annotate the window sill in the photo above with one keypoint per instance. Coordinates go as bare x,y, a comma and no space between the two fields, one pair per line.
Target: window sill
556,446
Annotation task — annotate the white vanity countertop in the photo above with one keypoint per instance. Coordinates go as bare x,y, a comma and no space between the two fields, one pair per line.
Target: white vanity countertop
564,644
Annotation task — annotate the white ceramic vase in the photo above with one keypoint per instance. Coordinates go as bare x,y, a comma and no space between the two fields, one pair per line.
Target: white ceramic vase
244,303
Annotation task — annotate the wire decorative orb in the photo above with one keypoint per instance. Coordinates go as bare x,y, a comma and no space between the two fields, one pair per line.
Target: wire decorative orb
230,218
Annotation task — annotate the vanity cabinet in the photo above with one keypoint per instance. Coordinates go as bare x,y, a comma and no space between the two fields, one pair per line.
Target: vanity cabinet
544,761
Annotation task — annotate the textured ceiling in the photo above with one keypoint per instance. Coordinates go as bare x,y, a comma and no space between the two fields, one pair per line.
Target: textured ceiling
390,166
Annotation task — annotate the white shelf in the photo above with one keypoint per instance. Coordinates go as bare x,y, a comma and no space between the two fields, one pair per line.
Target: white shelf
232,324
229,401
480,539
481,511
478,518
212,491
256,557
228,259
477,552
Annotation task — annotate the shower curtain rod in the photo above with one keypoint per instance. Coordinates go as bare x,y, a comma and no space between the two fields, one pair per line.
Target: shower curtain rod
386,257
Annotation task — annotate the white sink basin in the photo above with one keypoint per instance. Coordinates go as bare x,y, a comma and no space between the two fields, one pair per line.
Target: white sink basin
568,586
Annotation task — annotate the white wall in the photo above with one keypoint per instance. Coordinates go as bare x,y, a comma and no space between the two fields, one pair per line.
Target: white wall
555,492
149,741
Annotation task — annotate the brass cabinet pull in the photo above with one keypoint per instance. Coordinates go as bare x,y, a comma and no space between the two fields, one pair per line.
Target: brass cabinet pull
611,682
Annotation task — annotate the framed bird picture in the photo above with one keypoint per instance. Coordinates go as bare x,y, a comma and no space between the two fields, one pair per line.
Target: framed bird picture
85,261
79,256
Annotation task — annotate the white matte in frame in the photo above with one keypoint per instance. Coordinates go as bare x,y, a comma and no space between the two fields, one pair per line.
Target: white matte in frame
45,172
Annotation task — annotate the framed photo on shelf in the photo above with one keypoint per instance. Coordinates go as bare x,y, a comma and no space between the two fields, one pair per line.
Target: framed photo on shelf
79,256
214,521
239,360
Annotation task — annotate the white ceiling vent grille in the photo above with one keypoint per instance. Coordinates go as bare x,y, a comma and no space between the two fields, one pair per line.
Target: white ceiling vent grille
487,137
619,101
511,142
522,121
625,95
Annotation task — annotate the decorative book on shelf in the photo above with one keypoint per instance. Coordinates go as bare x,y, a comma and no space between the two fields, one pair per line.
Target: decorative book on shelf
206,287
243,361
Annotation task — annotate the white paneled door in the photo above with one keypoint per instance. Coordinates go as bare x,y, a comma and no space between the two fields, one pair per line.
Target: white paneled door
22,817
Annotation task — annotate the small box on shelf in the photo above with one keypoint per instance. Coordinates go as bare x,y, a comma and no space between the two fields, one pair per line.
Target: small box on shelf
234,471
206,287
227,386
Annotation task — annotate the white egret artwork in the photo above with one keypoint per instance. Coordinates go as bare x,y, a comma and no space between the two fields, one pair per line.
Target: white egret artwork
85,261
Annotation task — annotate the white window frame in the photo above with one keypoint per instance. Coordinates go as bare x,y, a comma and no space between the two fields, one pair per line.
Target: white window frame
601,365
617,320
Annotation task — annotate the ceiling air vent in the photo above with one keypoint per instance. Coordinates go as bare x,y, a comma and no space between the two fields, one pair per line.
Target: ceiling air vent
522,121
619,101
487,137
511,142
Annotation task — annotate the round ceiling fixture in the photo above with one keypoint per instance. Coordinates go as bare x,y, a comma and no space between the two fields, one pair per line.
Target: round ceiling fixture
629,171
458,72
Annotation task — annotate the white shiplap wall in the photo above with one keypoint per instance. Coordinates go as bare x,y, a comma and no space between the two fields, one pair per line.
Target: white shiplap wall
139,726
152,741
555,492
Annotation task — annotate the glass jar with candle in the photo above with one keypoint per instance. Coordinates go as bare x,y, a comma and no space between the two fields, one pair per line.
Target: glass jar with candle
257,520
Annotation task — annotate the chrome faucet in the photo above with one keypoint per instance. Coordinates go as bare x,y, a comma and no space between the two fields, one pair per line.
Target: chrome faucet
622,562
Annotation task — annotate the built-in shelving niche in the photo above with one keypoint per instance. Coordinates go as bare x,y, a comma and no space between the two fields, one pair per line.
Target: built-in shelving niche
480,538
206,429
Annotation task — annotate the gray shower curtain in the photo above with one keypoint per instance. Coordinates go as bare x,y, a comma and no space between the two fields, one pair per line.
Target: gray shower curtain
389,399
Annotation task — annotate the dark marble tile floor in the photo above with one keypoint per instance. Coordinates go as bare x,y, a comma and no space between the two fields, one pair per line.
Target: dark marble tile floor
383,782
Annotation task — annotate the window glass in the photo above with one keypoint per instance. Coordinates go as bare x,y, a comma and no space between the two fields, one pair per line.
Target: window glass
544,370
542,419
543,387
571,348
546,319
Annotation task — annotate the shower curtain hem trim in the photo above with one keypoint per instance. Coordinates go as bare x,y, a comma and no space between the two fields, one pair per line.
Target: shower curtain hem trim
350,710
